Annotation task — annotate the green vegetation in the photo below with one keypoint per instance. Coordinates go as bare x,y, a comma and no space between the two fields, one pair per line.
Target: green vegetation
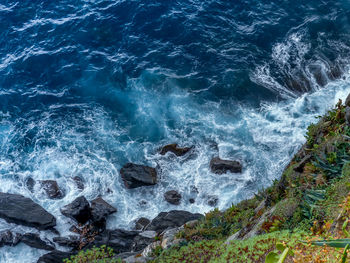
102,254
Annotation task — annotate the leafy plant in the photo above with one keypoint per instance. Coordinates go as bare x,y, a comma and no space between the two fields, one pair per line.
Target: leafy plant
274,257
101,254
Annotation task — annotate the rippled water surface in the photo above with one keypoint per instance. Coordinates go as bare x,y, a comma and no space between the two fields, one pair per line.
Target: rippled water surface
86,86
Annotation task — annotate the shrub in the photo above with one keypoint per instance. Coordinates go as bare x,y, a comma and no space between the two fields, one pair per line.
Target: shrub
101,254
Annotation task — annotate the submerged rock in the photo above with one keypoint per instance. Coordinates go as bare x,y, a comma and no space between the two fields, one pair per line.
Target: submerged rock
7,238
30,183
79,210
212,200
34,240
178,151
100,210
135,175
55,256
51,189
220,166
20,210
172,197
171,219
79,182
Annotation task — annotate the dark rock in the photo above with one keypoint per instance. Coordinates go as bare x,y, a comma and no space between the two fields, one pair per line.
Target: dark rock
300,166
100,209
70,241
135,175
172,197
34,240
172,219
23,211
192,200
118,239
347,101
30,182
141,223
347,116
178,151
220,166
54,257
212,200
141,241
7,238
78,210
51,189
79,182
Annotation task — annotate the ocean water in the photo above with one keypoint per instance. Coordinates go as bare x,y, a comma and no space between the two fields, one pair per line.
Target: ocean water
86,86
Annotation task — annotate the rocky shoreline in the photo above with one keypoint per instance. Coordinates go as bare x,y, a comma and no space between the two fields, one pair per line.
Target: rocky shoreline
89,228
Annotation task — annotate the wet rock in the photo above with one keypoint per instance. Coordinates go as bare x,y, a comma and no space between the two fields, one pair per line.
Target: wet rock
51,189
192,200
178,151
55,256
135,175
23,211
220,166
141,223
30,183
34,240
100,210
79,182
79,210
7,238
171,219
172,197
70,241
212,200
120,240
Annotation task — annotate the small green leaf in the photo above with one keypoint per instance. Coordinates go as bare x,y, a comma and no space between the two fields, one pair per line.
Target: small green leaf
272,257
280,247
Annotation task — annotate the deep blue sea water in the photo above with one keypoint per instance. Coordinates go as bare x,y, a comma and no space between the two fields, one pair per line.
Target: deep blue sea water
86,86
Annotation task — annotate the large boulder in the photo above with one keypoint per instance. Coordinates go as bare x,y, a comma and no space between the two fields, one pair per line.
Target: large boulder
220,166
7,238
120,240
23,211
123,240
135,175
55,256
178,151
171,219
70,241
172,197
51,189
79,210
100,209
34,240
